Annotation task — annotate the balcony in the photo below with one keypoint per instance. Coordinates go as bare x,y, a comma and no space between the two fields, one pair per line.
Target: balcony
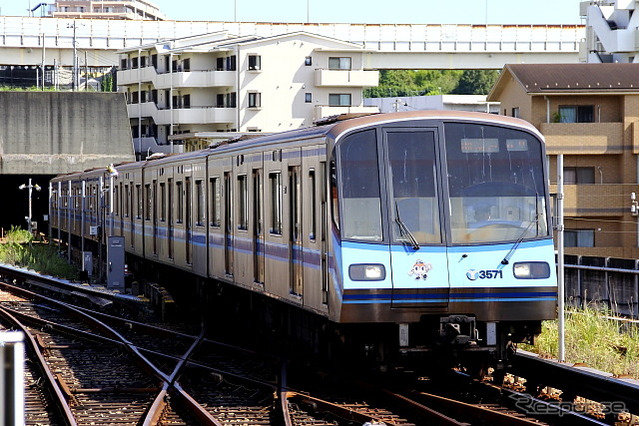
583,138
195,79
322,111
193,115
177,79
346,78
596,200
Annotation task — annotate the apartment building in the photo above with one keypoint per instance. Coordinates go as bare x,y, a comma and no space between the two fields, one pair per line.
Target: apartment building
188,93
107,9
611,31
588,113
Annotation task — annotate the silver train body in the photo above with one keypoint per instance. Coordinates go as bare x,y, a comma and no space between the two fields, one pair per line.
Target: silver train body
390,218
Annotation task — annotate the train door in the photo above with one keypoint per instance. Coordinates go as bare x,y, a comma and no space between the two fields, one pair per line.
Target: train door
228,226
295,231
418,255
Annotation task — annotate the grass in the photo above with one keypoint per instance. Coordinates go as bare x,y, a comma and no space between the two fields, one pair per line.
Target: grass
42,258
593,339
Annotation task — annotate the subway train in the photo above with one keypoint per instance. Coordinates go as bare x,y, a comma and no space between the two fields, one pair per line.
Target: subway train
415,231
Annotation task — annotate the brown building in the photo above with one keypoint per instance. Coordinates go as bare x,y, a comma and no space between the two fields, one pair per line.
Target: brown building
588,113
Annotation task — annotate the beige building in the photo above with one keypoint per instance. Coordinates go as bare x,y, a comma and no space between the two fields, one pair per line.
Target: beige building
190,92
107,9
588,113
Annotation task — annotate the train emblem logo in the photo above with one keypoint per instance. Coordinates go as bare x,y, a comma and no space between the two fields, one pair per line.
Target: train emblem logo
420,269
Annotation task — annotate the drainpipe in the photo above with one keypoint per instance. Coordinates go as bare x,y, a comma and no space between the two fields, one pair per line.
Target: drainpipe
238,98
548,109
140,103
171,99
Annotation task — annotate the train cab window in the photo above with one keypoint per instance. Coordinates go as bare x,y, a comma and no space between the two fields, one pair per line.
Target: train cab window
216,198
359,187
275,189
496,184
412,169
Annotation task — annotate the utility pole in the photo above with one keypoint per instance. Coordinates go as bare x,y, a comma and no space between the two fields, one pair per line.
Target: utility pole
560,207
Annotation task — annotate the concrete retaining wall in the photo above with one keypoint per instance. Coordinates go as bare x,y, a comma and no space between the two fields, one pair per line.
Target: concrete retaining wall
60,132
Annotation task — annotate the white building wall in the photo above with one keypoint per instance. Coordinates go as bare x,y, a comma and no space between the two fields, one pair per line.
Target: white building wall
473,103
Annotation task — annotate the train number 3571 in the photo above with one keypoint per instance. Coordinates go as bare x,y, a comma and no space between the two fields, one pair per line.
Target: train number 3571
484,274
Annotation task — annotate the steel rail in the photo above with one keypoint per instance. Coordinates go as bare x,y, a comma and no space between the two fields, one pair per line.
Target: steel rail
52,383
587,383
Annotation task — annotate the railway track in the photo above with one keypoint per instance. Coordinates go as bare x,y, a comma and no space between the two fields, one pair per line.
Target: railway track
110,369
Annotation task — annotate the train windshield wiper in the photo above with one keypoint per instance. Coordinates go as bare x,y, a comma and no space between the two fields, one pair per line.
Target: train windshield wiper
515,245
406,234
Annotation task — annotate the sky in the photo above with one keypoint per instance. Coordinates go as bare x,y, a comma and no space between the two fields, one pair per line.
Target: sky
517,12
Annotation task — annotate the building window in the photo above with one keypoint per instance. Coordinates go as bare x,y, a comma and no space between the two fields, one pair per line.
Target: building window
340,63
515,112
123,64
186,64
307,61
308,98
255,100
340,99
134,63
143,61
255,63
576,113
231,63
219,64
579,175
186,101
231,100
579,238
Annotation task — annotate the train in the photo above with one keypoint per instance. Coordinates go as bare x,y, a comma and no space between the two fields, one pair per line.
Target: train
413,230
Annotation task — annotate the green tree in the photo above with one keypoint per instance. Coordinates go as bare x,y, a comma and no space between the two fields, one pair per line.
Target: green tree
476,82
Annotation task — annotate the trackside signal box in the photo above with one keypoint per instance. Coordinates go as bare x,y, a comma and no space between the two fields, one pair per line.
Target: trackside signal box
115,263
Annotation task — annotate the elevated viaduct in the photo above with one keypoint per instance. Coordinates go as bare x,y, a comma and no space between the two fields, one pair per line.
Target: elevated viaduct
37,41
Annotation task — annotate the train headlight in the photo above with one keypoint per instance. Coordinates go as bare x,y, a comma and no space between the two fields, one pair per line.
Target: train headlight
531,270
367,272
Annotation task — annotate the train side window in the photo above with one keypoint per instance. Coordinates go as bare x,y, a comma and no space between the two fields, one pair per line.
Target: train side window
163,201
139,202
214,184
116,201
199,203
312,192
149,201
180,202
243,203
126,201
275,187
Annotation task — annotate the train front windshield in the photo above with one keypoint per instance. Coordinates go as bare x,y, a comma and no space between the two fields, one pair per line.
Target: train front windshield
496,184
493,175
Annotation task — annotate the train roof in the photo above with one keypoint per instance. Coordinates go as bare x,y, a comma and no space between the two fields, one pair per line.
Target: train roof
332,127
